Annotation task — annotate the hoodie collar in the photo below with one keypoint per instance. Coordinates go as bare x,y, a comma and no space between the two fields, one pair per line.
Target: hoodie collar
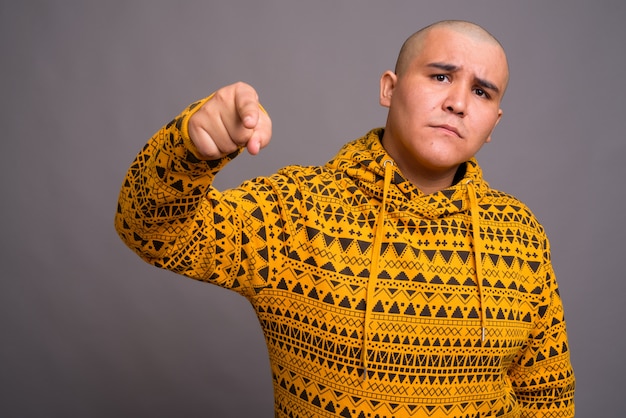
363,161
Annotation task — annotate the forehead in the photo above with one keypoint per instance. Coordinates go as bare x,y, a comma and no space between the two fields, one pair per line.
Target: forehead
470,52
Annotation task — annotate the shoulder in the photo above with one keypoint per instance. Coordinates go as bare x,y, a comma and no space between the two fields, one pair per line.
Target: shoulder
505,207
289,180
305,175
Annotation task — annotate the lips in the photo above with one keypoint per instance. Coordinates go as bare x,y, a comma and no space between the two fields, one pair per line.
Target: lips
449,128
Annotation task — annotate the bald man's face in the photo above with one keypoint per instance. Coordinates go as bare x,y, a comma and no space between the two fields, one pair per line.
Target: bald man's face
444,107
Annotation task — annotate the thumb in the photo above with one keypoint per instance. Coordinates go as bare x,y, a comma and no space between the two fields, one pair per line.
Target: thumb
254,145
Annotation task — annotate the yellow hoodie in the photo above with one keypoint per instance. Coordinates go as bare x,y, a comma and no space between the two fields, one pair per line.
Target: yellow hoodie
375,300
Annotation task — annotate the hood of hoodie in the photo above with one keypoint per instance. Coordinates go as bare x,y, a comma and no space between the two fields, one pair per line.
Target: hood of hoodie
364,161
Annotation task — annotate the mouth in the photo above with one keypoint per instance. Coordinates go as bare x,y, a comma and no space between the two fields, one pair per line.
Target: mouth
449,129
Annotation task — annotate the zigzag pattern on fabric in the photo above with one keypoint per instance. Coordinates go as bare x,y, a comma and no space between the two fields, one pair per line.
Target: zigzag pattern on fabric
298,245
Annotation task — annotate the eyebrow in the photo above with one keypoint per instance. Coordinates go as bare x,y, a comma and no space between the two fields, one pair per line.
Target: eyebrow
453,68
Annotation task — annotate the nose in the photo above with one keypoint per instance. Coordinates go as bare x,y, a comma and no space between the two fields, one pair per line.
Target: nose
456,99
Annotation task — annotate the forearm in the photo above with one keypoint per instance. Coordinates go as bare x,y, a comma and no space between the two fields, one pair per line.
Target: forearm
163,189
551,393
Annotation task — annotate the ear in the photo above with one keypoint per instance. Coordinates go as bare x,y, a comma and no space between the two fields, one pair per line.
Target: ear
387,84
495,124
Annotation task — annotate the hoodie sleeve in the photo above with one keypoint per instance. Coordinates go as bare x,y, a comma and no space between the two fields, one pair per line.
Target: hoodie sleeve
170,215
542,374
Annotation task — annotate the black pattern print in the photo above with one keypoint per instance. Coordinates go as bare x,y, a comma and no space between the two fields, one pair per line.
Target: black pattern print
375,300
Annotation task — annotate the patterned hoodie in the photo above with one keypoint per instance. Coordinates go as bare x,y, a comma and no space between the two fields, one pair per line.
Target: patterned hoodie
375,300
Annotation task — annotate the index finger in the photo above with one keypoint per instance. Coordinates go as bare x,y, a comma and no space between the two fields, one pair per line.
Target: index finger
247,105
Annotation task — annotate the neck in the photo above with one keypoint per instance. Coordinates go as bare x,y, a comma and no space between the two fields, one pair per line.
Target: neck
430,181
433,184
427,179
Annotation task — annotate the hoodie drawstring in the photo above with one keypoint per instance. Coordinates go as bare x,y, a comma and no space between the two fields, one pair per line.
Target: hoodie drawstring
471,189
376,247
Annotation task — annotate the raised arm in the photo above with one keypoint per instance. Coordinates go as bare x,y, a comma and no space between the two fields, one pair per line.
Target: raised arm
167,210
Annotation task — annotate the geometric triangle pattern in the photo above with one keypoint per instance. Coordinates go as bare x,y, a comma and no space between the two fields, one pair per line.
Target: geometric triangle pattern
299,246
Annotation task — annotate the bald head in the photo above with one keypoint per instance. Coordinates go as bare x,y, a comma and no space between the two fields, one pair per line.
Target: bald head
414,44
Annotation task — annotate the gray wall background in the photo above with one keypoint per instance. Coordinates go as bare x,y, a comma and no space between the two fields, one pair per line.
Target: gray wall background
87,329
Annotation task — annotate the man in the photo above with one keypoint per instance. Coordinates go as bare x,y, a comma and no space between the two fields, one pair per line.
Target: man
390,282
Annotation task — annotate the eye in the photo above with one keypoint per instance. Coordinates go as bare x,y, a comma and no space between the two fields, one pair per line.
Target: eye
481,93
440,77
